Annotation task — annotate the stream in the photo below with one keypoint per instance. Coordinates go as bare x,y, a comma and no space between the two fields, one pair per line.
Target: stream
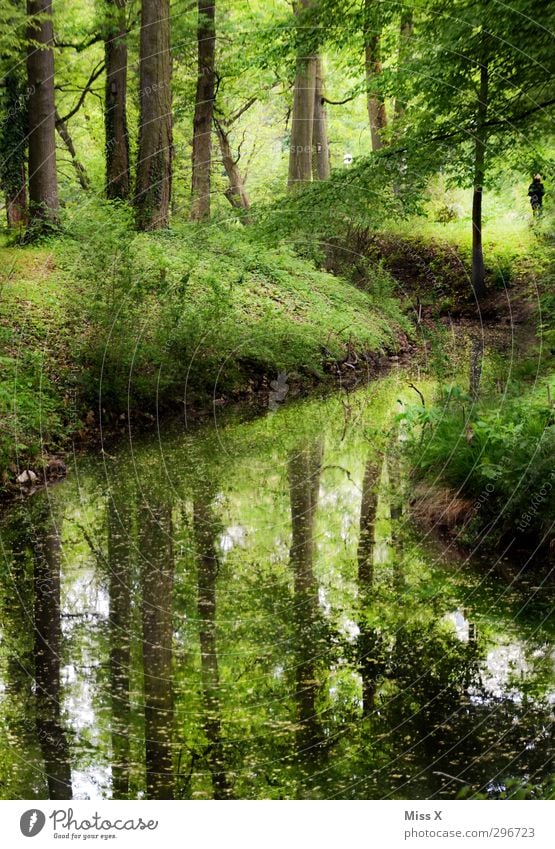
246,609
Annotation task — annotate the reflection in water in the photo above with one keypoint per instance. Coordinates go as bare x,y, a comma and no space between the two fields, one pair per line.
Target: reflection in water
331,664
304,468
369,641
48,633
205,530
157,575
119,588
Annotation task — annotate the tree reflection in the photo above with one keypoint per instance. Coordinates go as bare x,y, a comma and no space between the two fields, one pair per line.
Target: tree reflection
304,469
47,652
157,576
205,530
119,588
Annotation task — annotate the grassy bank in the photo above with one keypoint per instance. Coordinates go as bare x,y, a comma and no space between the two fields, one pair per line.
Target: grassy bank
103,317
493,450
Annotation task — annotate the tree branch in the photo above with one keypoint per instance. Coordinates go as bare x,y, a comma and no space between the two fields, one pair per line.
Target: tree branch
94,76
94,39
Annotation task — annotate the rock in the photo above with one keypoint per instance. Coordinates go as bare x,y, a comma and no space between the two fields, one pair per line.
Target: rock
27,478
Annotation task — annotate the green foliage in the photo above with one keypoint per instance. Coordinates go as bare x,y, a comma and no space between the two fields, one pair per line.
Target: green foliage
499,456
206,308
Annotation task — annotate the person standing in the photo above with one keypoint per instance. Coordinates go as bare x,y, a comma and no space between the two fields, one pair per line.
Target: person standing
536,192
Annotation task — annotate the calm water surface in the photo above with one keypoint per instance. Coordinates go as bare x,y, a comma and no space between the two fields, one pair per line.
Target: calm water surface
245,610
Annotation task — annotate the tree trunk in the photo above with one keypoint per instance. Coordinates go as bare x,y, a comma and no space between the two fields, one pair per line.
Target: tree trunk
302,119
65,136
48,639
304,480
373,68
43,181
154,167
207,569
204,110
13,150
368,510
157,609
236,193
405,35
369,642
16,199
118,181
321,148
478,270
119,580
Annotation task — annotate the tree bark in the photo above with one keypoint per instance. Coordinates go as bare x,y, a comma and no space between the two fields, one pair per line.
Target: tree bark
236,193
157,608
154,167
302,119
65,136
118,181
478,269
43,181
321,168
373,68
204,110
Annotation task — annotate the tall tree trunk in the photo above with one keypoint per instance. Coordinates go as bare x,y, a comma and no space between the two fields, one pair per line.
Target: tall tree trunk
396,507
207,566
154,167
236,193
13,151
321,148
373,68
118,181
405,35
48,639
478,270
119,581
204,110
43,181
65,136
304,480
302,118
157,609
368,642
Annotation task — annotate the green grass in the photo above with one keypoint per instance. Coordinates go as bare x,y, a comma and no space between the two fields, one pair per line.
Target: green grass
132,321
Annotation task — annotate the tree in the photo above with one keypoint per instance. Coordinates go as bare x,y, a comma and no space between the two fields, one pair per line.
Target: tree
154,166
204,110
302,116
157,578
205,531
13,150
236,193
373,69
475,91
115,107
43,181
321,147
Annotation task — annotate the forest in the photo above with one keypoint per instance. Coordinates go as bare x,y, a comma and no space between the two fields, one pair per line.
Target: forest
277,418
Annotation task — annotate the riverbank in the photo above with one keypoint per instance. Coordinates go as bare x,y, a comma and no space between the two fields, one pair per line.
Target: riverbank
104,324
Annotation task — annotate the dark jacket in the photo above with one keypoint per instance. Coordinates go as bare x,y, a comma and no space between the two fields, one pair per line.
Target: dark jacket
536,190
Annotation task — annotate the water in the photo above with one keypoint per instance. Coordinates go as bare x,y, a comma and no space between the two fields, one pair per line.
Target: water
245,610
